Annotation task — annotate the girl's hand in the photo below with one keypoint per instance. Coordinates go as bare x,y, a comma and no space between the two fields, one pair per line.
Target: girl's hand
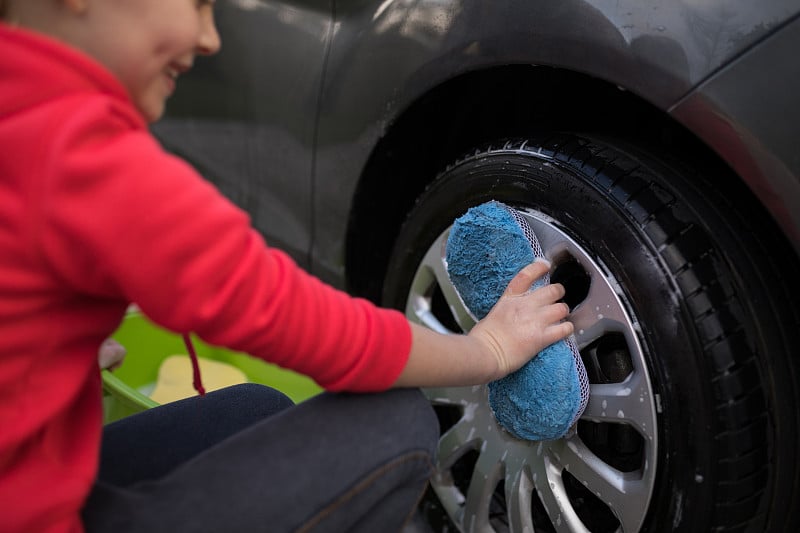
111,354
519,326
524,322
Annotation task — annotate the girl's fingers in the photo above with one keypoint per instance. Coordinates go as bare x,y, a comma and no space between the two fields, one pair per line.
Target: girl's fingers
549,293
555,312
556,332
525,278
111,354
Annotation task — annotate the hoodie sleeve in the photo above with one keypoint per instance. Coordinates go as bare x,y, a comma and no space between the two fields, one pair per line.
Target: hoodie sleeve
121,218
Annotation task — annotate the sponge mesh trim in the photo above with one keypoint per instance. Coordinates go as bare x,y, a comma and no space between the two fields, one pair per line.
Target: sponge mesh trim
580,369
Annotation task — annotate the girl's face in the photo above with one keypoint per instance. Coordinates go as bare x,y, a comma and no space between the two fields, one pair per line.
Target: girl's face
148,43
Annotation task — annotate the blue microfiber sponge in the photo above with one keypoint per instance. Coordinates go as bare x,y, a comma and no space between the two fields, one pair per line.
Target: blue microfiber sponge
486,248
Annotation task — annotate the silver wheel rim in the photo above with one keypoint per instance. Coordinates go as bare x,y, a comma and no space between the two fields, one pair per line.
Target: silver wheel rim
527,470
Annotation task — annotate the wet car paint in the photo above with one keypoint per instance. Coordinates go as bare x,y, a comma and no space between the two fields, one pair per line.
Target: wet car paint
285,118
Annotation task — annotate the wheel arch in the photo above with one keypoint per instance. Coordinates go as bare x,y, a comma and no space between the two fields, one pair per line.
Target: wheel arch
480,107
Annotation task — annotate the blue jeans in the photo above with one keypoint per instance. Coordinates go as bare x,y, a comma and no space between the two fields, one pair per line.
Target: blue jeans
246,459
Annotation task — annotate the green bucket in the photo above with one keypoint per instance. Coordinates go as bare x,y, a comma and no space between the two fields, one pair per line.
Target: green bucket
126,389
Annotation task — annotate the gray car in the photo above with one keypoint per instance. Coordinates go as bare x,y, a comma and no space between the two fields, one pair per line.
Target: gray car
654,147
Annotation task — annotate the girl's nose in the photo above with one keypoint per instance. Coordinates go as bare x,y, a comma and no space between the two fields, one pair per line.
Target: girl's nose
208,41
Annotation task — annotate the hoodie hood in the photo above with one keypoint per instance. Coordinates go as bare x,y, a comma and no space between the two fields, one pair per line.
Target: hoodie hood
37,68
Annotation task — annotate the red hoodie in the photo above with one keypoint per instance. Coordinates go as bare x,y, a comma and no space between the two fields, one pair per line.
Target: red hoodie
94,215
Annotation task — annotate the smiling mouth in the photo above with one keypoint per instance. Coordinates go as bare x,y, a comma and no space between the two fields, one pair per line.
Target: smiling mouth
172,72
170,82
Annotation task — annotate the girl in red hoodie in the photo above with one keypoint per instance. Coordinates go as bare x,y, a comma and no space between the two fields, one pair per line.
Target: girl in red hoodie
95,215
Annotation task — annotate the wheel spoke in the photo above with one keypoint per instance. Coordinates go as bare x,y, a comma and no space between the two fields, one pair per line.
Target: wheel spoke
599,313
627,402
481,487
456,441
554,498
464,396
519,489
432,271
625,493
418,305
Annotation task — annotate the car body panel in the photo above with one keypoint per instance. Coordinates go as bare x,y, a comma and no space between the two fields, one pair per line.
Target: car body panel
252,135
310,89
387,55
748,114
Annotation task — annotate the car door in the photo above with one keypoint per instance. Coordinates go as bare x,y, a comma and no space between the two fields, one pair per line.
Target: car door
245,117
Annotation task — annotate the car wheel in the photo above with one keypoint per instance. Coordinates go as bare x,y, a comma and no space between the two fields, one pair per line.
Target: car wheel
678,298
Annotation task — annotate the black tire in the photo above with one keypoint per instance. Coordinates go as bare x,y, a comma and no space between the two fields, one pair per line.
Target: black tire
704,291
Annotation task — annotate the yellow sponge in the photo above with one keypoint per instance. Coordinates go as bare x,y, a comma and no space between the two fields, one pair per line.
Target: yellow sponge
175,377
